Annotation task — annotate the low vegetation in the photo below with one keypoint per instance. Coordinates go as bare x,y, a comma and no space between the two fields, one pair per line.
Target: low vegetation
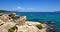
12,29
39,26
3,11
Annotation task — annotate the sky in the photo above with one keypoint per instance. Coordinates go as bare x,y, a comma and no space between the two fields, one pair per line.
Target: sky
30,5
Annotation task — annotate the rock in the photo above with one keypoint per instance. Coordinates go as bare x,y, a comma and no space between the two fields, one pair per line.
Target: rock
12,15
6,26
26,28
21,20
5,18
1,22
9,20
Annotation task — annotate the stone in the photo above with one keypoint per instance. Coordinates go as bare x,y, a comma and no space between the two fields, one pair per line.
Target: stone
12,15
26,28
5,18
6,26
1,22
21,20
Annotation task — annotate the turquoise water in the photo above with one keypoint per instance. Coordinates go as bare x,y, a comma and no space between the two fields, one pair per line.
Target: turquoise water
41,16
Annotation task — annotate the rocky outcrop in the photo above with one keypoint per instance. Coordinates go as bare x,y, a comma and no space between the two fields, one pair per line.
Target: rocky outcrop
12,18
9,20
6,26
27,28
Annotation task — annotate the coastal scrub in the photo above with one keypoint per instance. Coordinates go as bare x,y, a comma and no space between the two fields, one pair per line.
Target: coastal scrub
12,29
39,26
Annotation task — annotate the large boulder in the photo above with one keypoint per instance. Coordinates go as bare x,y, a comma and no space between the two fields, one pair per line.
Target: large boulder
12,15
21,20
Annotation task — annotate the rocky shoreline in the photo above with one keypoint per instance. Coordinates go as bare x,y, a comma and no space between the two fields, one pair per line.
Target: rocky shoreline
14,23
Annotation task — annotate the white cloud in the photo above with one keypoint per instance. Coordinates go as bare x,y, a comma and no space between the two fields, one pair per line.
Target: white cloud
22,8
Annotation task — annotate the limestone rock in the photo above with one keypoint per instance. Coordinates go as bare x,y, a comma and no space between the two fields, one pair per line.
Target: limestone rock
26,28
6,26
1,22
9,20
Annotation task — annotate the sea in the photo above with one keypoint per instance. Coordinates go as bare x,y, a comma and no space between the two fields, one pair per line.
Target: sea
42,17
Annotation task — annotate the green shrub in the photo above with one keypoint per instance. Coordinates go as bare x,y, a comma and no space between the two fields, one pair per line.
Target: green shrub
12,29
39,26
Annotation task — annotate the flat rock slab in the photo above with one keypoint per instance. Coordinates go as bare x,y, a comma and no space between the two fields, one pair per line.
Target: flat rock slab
6,26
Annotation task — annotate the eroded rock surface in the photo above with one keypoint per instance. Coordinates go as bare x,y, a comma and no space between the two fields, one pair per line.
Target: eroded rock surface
9,20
